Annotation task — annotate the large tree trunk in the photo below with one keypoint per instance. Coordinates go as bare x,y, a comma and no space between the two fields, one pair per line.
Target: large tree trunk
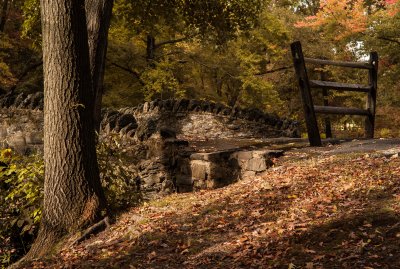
73,197
98,13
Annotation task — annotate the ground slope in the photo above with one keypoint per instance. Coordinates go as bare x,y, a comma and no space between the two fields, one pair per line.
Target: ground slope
308,211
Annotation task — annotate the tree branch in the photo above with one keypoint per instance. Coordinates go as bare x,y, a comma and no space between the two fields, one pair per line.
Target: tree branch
173,41
389,39
274,70
128,70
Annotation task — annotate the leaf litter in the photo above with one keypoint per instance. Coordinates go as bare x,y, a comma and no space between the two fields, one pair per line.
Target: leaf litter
310,212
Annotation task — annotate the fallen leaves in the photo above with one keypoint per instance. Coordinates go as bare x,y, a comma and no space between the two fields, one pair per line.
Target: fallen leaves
322,212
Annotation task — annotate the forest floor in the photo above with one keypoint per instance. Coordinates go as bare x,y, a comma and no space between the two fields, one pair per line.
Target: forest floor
312,209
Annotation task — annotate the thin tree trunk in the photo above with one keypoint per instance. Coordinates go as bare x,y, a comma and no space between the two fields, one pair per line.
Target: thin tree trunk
3,15
150,47
73,197
98,13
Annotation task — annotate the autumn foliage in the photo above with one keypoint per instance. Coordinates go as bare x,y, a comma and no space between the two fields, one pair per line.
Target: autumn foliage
340,18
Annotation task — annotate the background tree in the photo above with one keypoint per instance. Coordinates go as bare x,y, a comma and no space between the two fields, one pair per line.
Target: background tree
98,13
197,49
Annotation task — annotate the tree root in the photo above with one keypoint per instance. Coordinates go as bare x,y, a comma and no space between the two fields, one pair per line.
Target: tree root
92,230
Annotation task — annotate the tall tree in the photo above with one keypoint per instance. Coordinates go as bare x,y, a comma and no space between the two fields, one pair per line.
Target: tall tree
73,198
98,14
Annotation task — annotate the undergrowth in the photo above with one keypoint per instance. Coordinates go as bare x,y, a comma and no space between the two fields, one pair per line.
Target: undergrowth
21,194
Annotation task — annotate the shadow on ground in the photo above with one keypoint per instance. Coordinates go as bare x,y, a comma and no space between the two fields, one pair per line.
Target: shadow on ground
329,213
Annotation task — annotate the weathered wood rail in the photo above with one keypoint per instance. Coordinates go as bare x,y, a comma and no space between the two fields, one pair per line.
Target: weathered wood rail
305,86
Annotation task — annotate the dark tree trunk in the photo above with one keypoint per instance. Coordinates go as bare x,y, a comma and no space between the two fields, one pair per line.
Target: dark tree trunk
3,15
98,13
150,47
73,197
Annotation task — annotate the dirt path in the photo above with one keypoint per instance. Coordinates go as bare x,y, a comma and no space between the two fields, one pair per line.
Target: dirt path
359,146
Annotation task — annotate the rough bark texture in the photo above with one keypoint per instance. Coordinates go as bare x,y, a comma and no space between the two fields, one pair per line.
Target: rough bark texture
73,198
98,13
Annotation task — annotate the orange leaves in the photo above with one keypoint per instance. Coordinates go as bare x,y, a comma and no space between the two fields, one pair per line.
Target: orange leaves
392,7
338,19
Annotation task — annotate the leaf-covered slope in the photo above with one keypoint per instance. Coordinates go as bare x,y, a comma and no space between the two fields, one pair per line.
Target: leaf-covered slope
307,212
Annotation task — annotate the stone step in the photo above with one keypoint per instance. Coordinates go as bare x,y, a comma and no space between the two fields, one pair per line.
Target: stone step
221,168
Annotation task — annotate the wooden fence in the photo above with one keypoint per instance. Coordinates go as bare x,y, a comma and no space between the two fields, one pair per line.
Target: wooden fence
305,86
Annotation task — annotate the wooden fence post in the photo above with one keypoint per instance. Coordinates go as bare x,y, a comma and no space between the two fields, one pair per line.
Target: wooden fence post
325,96
371,101
302,77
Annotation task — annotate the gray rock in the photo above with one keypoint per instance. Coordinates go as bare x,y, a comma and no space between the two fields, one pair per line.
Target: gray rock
125,120
200,170
145,130
18,142
19,99
256,165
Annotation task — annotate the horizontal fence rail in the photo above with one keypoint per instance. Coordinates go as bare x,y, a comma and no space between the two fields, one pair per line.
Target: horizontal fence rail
339,86
359,65
341,110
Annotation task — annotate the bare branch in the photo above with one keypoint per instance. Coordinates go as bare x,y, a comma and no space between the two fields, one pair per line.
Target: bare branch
173,41
274,70
390,39
128,70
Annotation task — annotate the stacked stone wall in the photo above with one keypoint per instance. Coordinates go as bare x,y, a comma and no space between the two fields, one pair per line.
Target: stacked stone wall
194,120
157,136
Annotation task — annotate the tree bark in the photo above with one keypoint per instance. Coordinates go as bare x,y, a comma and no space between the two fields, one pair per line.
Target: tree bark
150,47
3,15
98,14
73,197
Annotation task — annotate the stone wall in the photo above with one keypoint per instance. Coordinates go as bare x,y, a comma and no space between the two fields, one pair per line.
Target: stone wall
21,129
23,101
194,120
159,138
221,168
189,119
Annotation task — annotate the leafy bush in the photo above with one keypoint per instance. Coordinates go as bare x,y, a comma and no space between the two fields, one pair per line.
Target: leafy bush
117,174
21,193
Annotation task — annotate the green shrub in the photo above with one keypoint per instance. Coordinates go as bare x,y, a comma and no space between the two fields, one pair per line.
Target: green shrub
117,174
21,193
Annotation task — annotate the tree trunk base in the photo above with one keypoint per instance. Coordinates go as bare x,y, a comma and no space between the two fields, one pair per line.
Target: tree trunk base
45,244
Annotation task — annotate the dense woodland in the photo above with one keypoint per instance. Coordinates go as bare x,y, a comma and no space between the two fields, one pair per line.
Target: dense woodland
236,52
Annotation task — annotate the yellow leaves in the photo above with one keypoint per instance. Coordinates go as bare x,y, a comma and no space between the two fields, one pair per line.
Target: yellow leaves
6,153
292,196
